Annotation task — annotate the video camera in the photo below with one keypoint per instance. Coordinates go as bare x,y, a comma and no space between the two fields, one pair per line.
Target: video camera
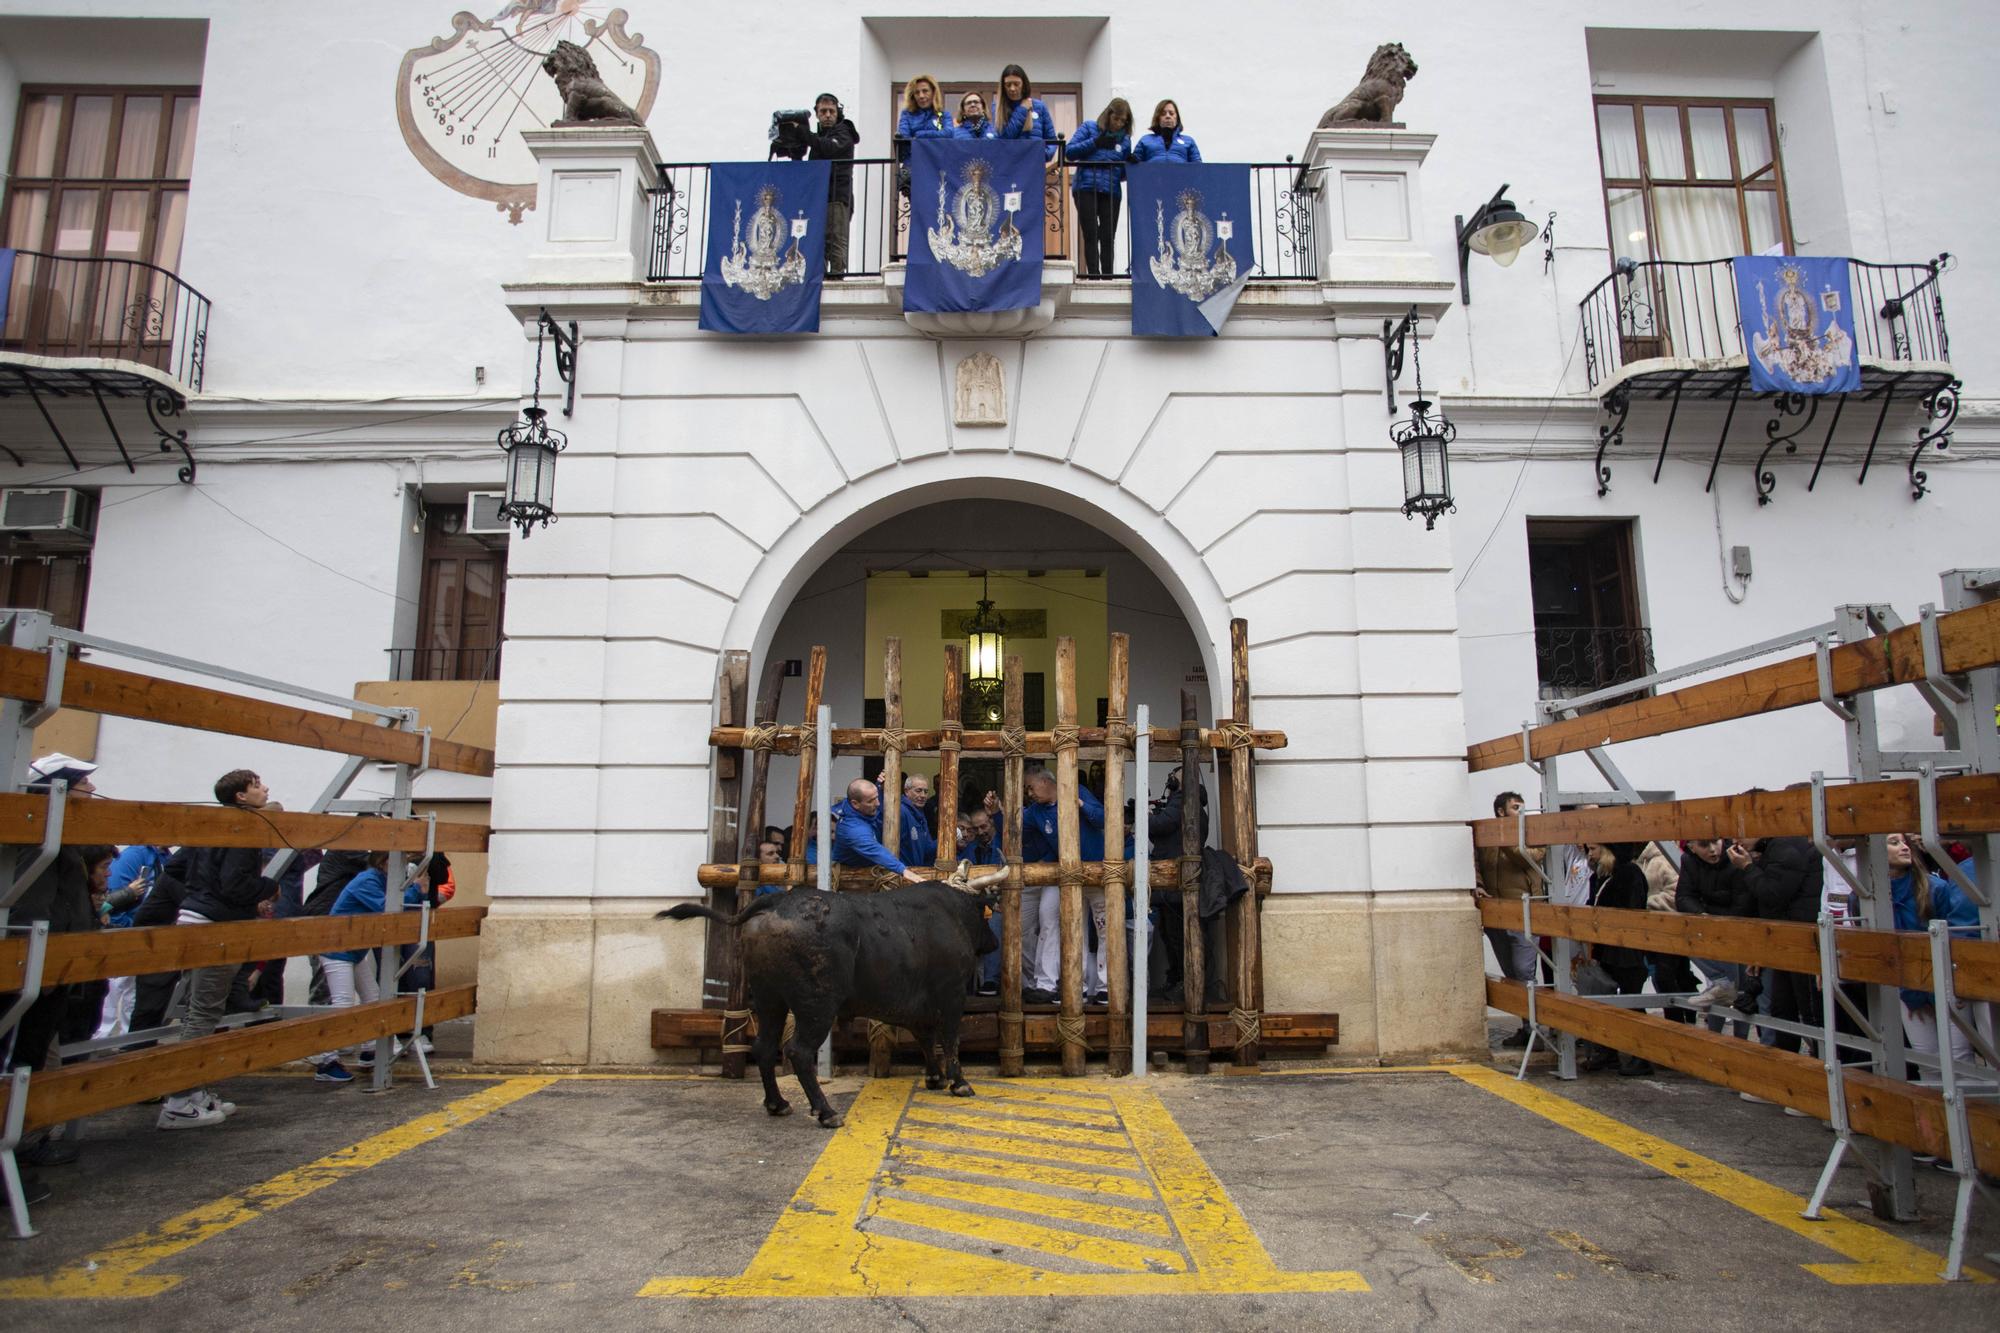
789,133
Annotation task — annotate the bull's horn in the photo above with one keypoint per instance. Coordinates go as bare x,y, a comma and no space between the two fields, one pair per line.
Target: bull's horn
991,877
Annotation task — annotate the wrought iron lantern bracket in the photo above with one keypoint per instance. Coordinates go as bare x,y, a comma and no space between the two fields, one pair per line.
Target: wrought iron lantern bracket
566,345
1395,337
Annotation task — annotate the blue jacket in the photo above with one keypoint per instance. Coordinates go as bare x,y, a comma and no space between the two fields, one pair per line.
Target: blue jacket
992,854
1099,170
1947,904
140,859
364,895
1038,829
934,124
974,129
917,846
857,840
1045,127
1177,147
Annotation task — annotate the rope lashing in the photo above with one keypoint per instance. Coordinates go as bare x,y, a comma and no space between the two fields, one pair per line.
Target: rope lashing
1249,1027
881,1034
1069,1031
735,1022
1114,871
1118,732
894,738
1063,738
791,1030
948,737
1237,735
760,738
1013,742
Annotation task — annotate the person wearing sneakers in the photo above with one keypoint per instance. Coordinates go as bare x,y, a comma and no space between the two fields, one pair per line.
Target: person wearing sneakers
223,884
350,973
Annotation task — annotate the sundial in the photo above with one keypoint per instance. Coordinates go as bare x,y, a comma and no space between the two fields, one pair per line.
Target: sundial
462,100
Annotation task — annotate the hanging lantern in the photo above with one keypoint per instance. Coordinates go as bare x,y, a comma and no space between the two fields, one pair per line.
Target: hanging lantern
985,642
532,446
1425,442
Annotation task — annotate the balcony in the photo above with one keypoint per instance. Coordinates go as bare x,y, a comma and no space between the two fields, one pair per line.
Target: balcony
1671,333
1573,661
1285,203
440,664
78,328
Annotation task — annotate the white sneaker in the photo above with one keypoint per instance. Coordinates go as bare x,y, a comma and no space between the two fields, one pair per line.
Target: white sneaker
424,1045
1716,992
188,1112
1753,1097
215,1103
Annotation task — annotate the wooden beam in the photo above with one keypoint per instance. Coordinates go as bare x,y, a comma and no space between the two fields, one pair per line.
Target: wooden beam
1966,804
1970,640
94,1086
1013,769
725,807
1194,977
697,1029
167,823
945,798
1885,1108
802,806
860,742
1248,962
1069,832
880,1044
1117,944
1880,957
735,1044
95,955
108,691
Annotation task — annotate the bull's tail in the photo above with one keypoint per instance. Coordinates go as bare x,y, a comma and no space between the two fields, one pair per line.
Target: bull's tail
689,911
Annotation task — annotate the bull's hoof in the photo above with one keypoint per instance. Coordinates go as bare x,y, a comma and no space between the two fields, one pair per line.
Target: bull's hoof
961,1089
832,1120
933,1082
777,1108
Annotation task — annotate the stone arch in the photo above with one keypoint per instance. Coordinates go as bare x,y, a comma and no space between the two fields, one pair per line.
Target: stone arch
867,501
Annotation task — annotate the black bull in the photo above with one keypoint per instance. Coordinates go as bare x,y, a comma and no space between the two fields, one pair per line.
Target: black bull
901,957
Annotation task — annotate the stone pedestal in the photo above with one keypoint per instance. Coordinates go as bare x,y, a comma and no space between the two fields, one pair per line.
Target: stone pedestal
1371,216
591,203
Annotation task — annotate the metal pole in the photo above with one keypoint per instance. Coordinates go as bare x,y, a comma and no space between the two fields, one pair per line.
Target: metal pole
1142,892
395,877
823,779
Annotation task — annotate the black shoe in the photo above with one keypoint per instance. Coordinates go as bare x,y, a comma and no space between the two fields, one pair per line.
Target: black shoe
1035,995
989,988
1520,1037
1638,1069
49,1152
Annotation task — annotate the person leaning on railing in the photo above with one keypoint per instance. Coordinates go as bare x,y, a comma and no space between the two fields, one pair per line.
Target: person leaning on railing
1166,140
1920,896
1710,886
1620,884
1784,877
1505,873
1099,150
1022,115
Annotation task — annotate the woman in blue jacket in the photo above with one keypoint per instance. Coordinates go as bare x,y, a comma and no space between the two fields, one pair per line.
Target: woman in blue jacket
1021,114
923,117
349,978
1098,150
1167,142
972,119
1920,897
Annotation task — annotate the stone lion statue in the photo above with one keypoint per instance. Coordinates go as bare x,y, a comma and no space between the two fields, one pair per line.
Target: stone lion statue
586,98
1374,99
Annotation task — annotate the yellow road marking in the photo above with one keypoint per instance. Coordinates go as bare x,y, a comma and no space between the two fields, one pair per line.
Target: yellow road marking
1017,1091
1028,1236
1020,1129
1042,1152
826,1242
114,1272
971,1164
1023,1110
1876,1256
1036,1205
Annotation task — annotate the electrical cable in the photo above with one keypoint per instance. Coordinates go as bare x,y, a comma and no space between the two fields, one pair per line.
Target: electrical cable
1528,458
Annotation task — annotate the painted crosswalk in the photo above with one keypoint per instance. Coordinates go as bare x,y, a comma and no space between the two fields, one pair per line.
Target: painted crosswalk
1033,1187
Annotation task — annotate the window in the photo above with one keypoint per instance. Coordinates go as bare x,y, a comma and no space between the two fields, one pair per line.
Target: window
461,605
1588,629
97,173
55,582
1691,179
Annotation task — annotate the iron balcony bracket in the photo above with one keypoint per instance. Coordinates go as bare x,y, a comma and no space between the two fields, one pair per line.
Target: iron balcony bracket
1941,407
162,403
1788,405
1617,406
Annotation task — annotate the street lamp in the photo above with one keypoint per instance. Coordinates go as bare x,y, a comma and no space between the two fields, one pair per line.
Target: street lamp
985,652
1497,230
532,446
1425,442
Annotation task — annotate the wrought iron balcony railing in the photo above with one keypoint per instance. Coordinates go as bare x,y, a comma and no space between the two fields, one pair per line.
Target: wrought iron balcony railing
1284,202
1688,311
1580,661
445,663
67,306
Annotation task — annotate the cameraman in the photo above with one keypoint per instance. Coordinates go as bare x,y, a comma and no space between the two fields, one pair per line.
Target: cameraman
833,140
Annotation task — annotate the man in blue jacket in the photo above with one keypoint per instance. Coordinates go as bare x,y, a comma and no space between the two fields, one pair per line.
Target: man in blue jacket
1041,909
916,843
857,832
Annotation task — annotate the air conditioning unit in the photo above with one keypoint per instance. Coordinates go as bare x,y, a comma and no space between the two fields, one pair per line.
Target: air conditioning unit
482,514
54,517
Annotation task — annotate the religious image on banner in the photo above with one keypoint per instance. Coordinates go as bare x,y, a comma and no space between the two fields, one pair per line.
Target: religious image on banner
766,258
1192,246
1798,324
976,217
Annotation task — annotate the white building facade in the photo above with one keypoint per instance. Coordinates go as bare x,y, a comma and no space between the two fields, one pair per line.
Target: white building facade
376,281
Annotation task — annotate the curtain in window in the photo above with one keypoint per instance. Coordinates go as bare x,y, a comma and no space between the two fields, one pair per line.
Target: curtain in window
1698,223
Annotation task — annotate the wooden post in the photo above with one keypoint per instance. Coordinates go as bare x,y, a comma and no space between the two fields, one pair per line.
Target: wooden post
802,807
949,728
1012,1021
1194,982
1249,959
1116,946
882,1037
725,803
736,1014
1069,1022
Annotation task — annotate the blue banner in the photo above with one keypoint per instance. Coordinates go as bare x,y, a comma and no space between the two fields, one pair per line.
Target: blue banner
1193,245
766,256
6,286
976,217
1798,324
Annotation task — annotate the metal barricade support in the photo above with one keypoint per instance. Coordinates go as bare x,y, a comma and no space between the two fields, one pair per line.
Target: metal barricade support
17,1101
1142,896
1958,1129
